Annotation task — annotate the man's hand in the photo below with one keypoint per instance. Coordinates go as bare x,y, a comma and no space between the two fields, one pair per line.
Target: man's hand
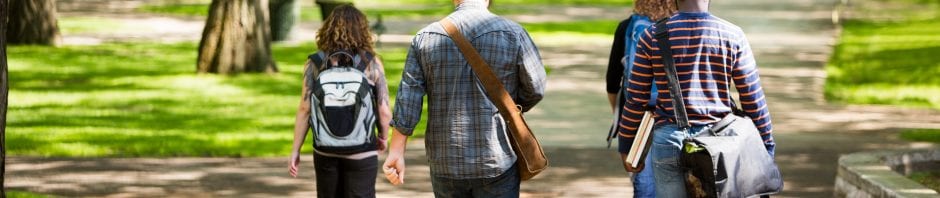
627,167
394,168
294,163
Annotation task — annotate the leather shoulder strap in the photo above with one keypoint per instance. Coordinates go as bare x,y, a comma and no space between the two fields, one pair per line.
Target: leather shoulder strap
494,88
669,64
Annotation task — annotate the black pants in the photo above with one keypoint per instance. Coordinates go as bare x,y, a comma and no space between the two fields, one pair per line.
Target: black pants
339,177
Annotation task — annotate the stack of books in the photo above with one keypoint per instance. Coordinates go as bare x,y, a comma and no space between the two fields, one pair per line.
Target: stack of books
642,140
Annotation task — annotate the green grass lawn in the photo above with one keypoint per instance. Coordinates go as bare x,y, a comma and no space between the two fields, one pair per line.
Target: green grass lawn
312,13
890,62
922,135
931,179
78,25
393,8
128,100
144,99
23,194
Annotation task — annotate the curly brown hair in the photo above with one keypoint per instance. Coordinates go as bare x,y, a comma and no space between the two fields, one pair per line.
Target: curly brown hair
345,29
655,9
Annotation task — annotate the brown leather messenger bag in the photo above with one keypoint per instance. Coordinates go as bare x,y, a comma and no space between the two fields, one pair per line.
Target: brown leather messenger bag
531,159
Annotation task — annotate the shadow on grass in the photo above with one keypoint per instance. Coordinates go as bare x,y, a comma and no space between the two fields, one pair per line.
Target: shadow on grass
140,99
161,177
153,127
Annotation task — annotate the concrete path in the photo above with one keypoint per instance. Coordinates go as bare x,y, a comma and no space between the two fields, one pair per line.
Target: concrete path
791,39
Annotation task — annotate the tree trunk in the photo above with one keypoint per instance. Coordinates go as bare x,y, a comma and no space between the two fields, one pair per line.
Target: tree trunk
326,6
4,90
284,14
236,38
33,22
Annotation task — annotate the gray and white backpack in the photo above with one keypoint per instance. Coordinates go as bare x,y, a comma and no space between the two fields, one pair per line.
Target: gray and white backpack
342,103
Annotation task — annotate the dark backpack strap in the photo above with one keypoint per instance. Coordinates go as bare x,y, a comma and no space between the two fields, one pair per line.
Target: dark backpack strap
317,59
366,61
669,64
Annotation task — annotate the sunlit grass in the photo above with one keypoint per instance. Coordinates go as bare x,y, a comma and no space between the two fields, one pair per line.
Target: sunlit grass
312,13
24,194
500,2
922,135
130,100
76,25
888,62
555,34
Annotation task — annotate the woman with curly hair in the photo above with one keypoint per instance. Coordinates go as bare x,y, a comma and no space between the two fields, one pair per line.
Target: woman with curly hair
628,33
345,145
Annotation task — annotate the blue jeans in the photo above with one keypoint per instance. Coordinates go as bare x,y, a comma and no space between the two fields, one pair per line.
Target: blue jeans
667,145
505,185
644,184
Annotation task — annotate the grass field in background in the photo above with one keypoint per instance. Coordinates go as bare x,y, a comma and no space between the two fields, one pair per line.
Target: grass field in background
312,13
931,179
23,194
922,135
391,9
129,100
891,62
145,100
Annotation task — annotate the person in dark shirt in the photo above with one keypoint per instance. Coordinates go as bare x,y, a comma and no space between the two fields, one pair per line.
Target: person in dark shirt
626,37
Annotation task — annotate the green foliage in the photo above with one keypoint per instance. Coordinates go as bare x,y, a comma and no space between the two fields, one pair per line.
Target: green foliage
922,135
887,62
129,100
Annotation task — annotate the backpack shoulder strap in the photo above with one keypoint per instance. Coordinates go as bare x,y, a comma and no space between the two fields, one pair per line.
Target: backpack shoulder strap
628,34
317,59
669,64
366,59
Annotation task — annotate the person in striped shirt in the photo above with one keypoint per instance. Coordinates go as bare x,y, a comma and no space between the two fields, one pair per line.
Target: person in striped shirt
711,55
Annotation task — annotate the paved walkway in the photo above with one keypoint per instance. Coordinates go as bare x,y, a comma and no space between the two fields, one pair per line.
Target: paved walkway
792,41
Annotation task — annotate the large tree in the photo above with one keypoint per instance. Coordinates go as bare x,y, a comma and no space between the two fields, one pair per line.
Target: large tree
34,22
284,14
326,6
4,90
236,38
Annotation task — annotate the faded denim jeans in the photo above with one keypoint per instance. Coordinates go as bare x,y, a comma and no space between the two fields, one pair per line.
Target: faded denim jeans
644,184
667,145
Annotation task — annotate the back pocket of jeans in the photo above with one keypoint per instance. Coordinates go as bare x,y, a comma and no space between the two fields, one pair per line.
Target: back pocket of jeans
666,158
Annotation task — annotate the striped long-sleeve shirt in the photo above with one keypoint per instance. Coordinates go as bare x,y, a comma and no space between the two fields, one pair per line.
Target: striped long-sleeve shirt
709,54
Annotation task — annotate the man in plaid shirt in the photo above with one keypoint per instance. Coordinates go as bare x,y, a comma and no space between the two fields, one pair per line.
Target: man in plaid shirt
467,145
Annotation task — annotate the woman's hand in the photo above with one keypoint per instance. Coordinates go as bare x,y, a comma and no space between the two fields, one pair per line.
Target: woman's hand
294,163
381,144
